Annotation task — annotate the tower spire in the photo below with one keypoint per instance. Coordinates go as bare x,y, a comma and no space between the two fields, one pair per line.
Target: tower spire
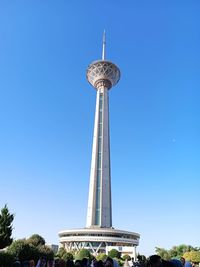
104,45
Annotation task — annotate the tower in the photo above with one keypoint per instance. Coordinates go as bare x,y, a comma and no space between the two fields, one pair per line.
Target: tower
102,75
99,235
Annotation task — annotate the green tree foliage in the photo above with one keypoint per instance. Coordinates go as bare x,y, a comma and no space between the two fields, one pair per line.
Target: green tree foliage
23,249
101,257
178,251
163,253
174,252
6,220
114,253
83,253
193,256
63,254
126,257
6,259
36,240
45,251
68,256
186,256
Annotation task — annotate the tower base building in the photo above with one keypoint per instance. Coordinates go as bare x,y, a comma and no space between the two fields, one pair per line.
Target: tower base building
100,240
99,235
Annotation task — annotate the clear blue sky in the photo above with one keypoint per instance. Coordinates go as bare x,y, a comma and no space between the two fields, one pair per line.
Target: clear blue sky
47,114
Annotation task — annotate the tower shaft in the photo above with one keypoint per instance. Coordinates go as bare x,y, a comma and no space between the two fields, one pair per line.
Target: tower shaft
99,212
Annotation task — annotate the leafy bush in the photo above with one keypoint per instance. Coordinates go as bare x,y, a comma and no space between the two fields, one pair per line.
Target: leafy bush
36,240
6,259
83,253
101,256
114,253
23,249
193,256
46,252
20,250
61,252
68,256
126,257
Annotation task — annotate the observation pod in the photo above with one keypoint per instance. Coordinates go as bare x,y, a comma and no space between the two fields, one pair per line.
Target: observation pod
103,71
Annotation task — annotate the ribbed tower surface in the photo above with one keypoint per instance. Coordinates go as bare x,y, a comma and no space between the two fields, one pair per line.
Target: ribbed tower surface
103,71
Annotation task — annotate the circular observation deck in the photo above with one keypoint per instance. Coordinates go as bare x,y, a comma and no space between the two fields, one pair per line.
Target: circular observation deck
97,238
103,70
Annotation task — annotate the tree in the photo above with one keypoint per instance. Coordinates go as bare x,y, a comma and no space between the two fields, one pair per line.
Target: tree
46,252
63,254
6,219
178,251
193,256
83,253
21,250
6,259
175,252
25,250
36,240
163,253
126,257
101,256
186,256
114,253
68,256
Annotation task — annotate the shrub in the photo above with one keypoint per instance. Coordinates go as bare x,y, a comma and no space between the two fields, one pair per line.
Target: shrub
193,256
101,256
45,251
6,259
68,256
114,253
20,250
23,250
83,253
126,257
36,240
61,252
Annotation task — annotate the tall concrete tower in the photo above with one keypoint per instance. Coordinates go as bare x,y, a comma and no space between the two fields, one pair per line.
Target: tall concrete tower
102,75
99,235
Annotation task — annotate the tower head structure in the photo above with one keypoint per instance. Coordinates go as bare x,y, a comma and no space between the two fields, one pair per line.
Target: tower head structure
103,72
102,75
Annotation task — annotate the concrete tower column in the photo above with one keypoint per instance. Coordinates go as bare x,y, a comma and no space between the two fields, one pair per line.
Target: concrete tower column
99,201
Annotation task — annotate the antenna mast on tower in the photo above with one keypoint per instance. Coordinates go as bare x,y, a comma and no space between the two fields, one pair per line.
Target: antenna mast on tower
104,46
